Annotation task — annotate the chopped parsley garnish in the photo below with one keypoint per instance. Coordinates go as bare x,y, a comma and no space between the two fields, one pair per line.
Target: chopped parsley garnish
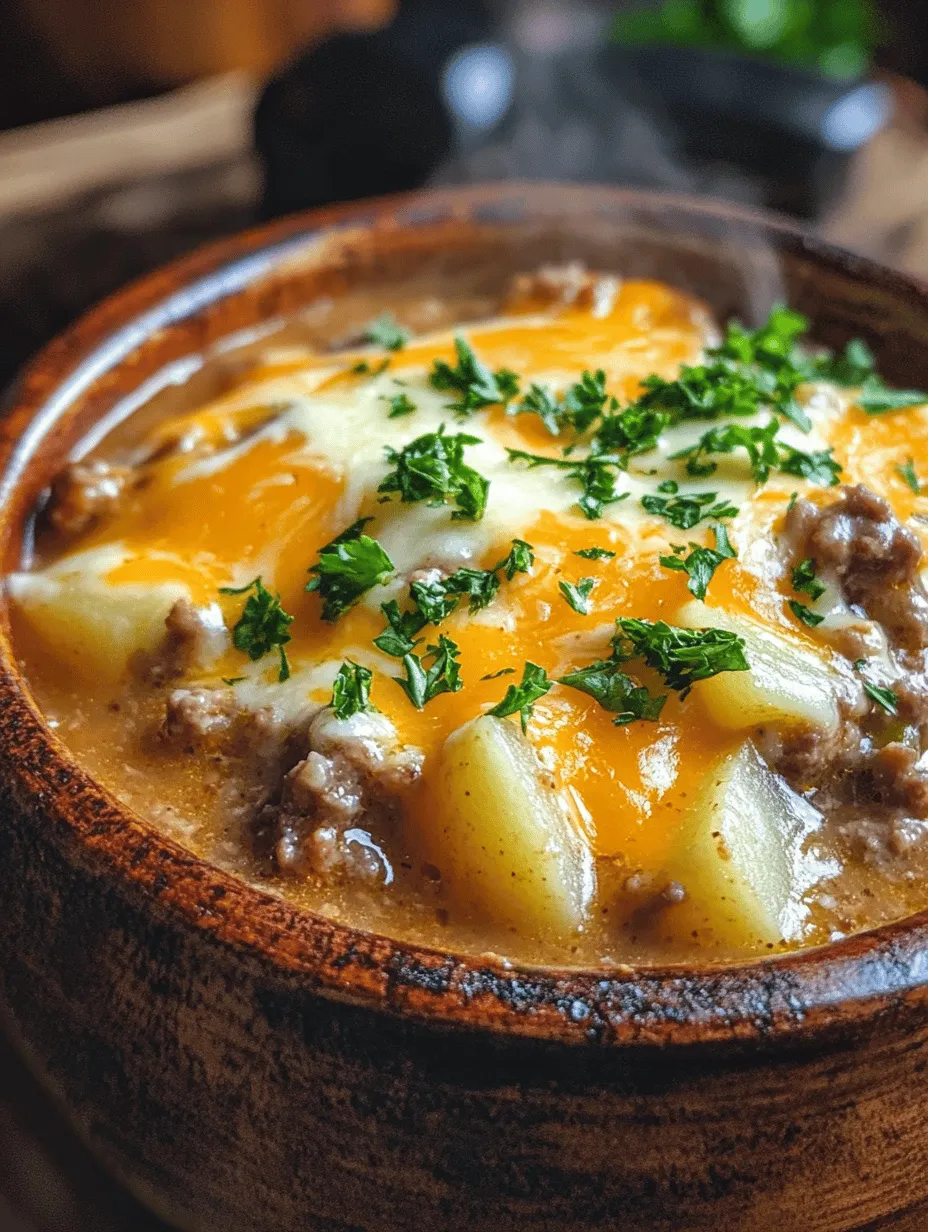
851,367
520,698
579,409
626,433
616,692
347,568
708,391
682,656
805,582
702,562
805,614
542,402
476,385
263,625
364,368
231,680
584,401
520,559
595,553
504,671
764,451
819,467
883,697
399,638
759,443
385,332
773,356
907,472
421,684
435,600
595,475
855,366
876,398
431,468
578,597
400,404
686,510
351,690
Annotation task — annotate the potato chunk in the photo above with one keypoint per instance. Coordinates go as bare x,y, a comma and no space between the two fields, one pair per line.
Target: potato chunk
741,857
787,684
88,623
506,842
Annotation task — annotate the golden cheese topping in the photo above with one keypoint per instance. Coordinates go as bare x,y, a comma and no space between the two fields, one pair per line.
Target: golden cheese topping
256,483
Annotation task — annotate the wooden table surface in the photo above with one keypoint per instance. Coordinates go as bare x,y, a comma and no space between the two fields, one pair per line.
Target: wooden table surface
177,171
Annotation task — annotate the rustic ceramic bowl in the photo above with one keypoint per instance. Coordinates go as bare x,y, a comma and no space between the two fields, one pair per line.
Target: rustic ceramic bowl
243,1065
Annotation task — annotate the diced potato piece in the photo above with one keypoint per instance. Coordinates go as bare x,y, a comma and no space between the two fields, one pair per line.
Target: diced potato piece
740,855
787,684
89,624
506,843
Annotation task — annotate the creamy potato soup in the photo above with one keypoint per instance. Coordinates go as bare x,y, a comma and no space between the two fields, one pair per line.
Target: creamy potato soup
591,631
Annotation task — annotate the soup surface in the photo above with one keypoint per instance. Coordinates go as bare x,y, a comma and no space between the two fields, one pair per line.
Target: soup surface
572,629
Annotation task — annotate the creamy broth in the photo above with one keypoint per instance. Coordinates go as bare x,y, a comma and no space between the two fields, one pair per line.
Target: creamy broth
716,824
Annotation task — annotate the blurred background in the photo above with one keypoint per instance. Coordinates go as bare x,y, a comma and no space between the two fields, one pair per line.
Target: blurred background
133,130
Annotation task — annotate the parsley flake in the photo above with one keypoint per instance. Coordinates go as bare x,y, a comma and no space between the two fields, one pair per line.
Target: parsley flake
907,473
347,568
351,690
421,684
437,598
520,698
850,368
578,597
702,562
681,656
504,671
805,582
688,509
263,625
819,467
384,331
876,398
580,407
400,404
364,368
476,385
399,637
759,443
803,613
431,468
883,697
616,692
596,476
595,553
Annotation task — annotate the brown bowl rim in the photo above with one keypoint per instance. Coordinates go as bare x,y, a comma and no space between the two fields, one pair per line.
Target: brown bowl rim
848,983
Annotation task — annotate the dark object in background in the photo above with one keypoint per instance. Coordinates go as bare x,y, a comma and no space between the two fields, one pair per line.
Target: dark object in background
362,114
365,115
791,130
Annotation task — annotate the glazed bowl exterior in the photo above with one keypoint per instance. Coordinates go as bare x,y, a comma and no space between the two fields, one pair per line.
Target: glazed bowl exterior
242,1065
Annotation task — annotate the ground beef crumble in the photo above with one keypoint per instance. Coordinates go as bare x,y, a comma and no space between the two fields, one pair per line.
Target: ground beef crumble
321,796
83,493
858,541
347,788
866,777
